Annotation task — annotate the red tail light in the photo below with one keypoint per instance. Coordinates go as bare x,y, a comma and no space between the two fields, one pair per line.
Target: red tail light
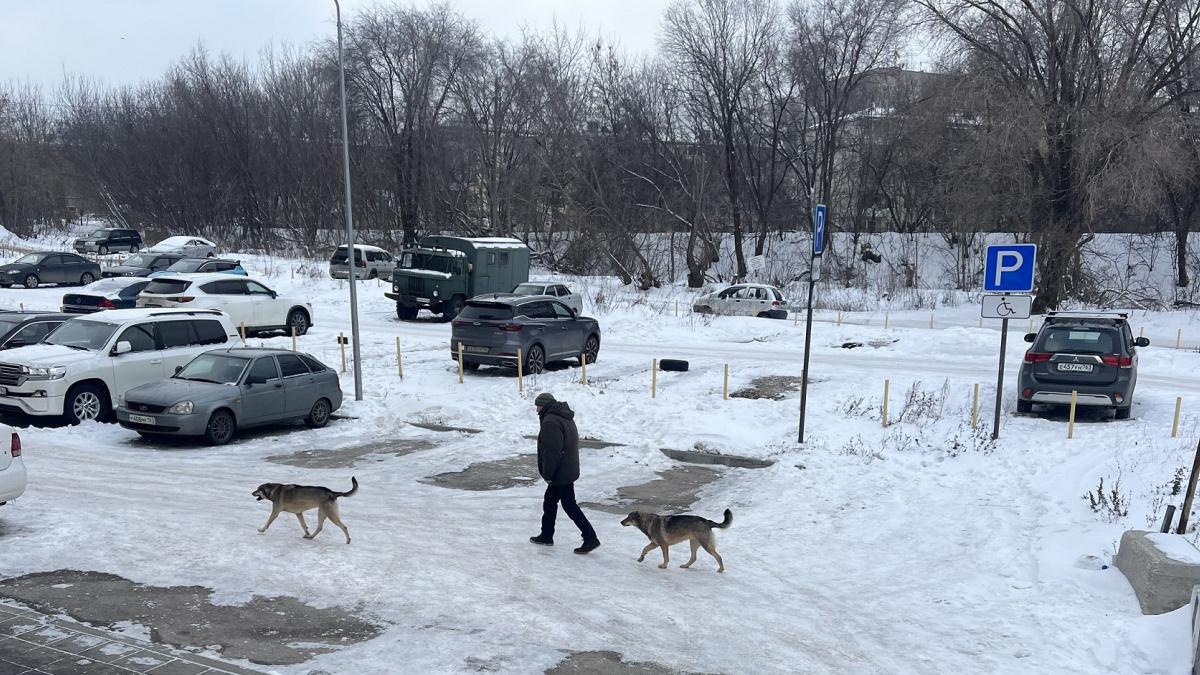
16,445
511,327
107,304
774,304
1120,361
182,298
1036,357
362,263
458,324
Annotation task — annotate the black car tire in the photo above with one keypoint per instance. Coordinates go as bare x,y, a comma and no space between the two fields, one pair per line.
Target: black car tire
1024,406
32,281
319,415
470,366
86,402
591,350
5,285
102,250
455,307
298,320
133,248
764,315
535,360
406,313
220,428
86,279
373,274
673,365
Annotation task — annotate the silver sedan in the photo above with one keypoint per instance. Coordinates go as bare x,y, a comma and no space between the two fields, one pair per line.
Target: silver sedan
191,247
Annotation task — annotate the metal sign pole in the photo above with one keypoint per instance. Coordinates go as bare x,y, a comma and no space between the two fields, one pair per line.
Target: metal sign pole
1000,378
807,350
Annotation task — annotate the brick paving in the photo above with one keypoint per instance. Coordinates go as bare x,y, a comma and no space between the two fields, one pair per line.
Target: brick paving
32,643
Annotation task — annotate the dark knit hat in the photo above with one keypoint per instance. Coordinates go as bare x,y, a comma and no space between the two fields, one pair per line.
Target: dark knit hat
544,399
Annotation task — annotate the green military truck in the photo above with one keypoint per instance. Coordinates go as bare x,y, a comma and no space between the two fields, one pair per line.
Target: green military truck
441,273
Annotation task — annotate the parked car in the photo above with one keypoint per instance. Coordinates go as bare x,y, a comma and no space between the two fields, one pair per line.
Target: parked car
113,293
1092,354
246,301
142,265
48,267
19,329
13,477
492,329
559,291
110,240
202,266
190,247
80,369
225,390
372,262
758,300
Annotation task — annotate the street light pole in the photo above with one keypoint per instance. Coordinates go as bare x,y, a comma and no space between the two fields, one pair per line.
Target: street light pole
358,387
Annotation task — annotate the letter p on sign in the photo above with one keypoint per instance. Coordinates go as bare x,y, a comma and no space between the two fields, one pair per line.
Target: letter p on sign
1010,268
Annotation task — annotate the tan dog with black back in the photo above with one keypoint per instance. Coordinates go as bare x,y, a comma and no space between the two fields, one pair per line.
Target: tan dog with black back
666,531
300,498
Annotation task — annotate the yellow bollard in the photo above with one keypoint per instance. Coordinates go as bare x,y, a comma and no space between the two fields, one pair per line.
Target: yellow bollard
654,379
460,363
399,361
1071,423
242,330
293,338
981,322
886,383
1178,337
839,318
1142,332
520,372
1175,424
725,395
583,362
1030,326
930,322
975,408
342,344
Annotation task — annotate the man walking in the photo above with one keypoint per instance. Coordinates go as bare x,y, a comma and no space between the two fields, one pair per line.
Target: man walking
558,463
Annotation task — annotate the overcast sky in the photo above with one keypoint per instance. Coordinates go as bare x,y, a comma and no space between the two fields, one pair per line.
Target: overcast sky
129,41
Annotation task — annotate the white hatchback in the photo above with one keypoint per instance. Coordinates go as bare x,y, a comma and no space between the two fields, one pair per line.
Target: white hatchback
247,302
758,300
12,468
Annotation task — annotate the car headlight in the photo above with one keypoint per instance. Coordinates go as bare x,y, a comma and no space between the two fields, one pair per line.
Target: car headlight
435,294
121,400
182,408
44,372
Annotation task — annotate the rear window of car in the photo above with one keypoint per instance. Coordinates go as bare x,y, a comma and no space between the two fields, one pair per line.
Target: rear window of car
778,295
486,311
177,334
210,332
167,286
291,365
313,364
1079,340
340,256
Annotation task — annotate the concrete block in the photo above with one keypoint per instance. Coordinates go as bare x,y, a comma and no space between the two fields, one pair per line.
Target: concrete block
1162,568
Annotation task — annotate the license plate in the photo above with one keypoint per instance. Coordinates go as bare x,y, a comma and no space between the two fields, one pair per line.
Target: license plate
1075,367
141,419
477,350
426,300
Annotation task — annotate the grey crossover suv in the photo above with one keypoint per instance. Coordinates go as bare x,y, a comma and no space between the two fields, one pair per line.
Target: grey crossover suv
1092,354
492,328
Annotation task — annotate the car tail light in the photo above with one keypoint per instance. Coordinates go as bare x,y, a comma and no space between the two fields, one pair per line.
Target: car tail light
107,304
1037,357
1119,361
182,298
362,263
1119,398
458,324
1027,393
511,327
16,445
775,304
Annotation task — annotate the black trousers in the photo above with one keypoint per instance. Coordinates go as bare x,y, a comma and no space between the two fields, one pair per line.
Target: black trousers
565,494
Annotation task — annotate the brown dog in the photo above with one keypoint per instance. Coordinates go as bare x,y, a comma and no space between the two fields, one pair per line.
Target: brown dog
666,531
299,498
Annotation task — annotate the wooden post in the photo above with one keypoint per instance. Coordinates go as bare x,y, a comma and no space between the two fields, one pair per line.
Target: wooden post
1178,338
1071,422
242,330
460,363
583,363
520,372
1142,332
654,379
399,361
795,319
839,317
342,344
22,307
1167,518
293,338
975,409
725,394
930,322
981,322
1191,493
885,321
1030,326
676,309
293,272
885,401
1175,424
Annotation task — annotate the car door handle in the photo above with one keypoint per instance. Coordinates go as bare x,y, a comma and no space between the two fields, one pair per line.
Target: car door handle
155,360
279,386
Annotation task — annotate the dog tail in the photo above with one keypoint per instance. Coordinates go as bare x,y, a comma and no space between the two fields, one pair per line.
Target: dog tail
353,490
724,523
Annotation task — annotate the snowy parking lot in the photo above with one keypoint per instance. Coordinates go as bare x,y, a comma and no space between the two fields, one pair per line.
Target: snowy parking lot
922,547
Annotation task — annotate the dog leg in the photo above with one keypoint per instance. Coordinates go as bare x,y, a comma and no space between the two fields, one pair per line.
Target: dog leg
336,519
710,545
666,556
695,547
649,547
320,523
274,515
303,525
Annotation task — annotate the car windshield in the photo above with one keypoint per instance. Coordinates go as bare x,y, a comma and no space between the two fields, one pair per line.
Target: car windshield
427,261
139,260
100,234
29,259
82,334
1078,340
186,265
218,368
526,289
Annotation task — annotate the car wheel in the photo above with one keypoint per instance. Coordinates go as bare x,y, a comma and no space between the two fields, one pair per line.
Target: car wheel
319,415
372,275
210,254
535,360
133,248
406,313
673,365
452,310
764,315
103,250
1122,413
1024,406
86,402
5,285
298,321
220,428
470,366
31,281
86,279
591,349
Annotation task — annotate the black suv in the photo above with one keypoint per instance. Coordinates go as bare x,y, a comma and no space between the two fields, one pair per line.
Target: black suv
109,240
1091,354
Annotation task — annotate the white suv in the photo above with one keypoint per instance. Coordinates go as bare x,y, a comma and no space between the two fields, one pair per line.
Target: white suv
246,301
12,468
79,370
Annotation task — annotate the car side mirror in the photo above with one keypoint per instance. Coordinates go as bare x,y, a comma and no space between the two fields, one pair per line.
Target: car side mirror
1141,342
252,380
1030,337
274,295
178,369
15,342
122,347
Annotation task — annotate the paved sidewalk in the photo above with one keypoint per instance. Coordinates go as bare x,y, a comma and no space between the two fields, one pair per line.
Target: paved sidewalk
32,643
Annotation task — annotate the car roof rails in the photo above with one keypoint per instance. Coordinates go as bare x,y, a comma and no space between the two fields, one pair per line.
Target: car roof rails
1097,314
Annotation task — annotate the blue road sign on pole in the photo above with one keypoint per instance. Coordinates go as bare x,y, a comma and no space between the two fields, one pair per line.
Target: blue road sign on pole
819,231
1009,268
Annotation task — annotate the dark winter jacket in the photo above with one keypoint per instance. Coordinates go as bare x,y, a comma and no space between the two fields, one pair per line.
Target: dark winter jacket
558,444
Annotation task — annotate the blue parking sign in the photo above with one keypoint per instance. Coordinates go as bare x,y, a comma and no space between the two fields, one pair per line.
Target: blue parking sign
819,230
1009,268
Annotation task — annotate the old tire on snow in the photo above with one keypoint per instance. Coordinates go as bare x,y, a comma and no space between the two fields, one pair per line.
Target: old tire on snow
673,365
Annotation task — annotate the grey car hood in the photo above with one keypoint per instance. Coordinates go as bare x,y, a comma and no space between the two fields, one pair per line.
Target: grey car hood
173,390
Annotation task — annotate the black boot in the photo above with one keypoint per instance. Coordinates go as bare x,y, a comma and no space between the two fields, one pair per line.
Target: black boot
546,541
589,545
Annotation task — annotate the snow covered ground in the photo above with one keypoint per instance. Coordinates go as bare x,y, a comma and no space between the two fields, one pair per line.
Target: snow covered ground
922,547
